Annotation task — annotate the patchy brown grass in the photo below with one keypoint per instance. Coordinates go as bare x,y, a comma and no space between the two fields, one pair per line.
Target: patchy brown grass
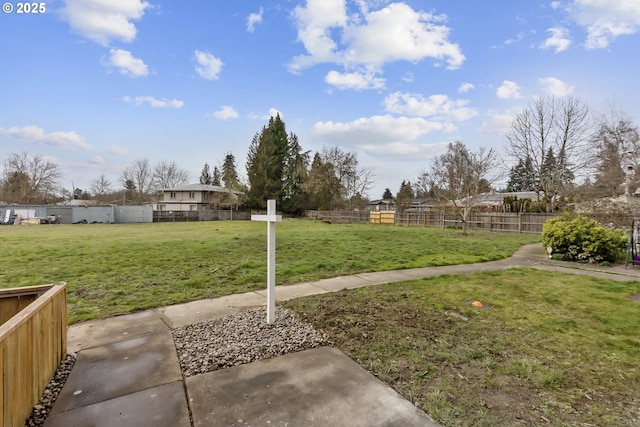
548,349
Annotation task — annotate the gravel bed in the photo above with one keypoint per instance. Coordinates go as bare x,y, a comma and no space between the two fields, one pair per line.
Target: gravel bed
241,338
40,412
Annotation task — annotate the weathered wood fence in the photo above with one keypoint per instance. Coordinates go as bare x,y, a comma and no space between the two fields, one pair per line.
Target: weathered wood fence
33,342
496,221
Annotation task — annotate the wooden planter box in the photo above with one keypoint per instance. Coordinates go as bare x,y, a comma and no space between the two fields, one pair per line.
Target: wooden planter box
33,342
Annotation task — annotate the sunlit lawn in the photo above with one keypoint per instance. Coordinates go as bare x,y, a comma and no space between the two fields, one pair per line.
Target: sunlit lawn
121,268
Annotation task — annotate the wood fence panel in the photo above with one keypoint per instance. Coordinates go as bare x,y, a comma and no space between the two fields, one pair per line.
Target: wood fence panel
32,345
496,221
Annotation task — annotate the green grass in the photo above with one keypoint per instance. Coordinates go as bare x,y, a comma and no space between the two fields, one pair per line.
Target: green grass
122,268
548,348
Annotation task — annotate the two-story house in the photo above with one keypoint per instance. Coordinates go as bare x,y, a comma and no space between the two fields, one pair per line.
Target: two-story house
196,197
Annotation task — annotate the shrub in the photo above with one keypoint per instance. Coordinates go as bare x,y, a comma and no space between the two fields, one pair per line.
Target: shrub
579,238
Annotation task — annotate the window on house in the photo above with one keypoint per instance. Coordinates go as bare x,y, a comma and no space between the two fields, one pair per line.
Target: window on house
206,195
172,194
193,207
192,194
162,208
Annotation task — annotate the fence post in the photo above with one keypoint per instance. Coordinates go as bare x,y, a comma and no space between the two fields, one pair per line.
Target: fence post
519,222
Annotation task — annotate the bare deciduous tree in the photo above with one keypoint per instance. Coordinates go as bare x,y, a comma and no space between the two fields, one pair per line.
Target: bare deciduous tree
168,174
354,180
100,189
617,156
137,178
29,179
459,176
552,134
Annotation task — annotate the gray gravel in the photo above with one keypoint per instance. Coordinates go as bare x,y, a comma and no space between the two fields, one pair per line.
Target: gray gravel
241,338
40,412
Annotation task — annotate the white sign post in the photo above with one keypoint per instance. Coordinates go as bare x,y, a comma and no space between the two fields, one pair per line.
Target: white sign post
270,218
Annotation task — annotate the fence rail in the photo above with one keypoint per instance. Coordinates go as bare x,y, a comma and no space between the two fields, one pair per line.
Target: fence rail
499,221
33,342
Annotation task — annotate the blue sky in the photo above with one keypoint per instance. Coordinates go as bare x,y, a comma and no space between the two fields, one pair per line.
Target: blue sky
96,84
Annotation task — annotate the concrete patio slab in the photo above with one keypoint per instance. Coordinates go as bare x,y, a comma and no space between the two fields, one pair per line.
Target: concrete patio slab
162,406
180,315
311,388
119,328
118,369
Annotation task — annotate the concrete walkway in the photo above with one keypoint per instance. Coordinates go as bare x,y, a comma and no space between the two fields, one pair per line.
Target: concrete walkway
127,371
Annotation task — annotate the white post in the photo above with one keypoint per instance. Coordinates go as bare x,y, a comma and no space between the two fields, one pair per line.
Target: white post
270,218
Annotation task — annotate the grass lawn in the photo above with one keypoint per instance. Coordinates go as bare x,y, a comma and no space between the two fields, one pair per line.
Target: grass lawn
122,268
547,349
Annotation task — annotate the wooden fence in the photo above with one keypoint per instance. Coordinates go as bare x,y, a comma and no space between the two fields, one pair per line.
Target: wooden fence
33,342
498,221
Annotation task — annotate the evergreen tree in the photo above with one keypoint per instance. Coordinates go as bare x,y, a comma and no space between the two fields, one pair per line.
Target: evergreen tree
404,196
275,167
217,176
229,173
263,171
521,177
387,194
294,198
205,175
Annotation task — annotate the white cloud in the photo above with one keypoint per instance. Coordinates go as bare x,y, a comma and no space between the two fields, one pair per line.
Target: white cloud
153,102
558,40
273,112
357,81
375,130
314,23
605,20
399,33
126,63
405,151
370,39
439,107
555,87
102,21
226,112
408,77
34,133
509,90
118,151
209,66
253,19
465,87
97,160
497,122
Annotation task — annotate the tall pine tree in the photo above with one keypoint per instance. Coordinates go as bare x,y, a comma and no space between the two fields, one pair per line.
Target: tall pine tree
229,173
294,197
205,175
276,168
264,170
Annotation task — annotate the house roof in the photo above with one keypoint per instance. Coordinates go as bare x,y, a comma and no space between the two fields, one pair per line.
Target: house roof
202,187
498,198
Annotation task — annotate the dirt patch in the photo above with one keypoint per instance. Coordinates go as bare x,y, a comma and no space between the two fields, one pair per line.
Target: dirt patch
635,297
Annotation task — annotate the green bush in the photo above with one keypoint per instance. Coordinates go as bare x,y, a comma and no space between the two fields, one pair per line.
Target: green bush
582,239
